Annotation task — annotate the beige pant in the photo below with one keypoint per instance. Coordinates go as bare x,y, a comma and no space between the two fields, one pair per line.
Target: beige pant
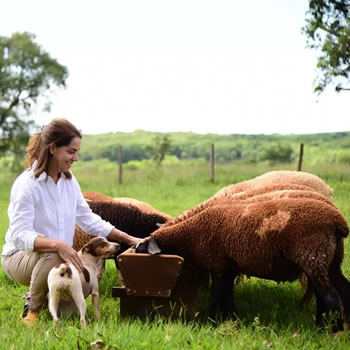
31,270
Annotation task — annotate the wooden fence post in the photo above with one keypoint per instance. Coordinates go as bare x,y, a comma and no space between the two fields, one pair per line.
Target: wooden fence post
301,153
212,161
120,162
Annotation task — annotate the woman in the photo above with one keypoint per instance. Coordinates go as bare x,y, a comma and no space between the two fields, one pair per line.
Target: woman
45,204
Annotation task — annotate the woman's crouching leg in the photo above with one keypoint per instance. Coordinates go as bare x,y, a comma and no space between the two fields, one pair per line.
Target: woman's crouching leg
38,283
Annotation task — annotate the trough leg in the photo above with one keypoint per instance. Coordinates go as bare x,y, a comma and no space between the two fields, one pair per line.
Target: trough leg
328,305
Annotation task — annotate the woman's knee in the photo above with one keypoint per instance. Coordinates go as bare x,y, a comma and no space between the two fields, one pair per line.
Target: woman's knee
41,270
52,259
19,266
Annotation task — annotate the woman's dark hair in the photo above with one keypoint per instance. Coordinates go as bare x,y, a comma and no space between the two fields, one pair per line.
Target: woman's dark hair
59,132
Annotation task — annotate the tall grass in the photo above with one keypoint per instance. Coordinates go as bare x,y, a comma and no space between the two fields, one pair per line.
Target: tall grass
268,314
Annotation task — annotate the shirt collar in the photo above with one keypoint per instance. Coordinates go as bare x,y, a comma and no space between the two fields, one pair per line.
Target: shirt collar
43,175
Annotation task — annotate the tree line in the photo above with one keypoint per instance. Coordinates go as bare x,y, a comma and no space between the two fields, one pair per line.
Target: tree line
140,145
28,74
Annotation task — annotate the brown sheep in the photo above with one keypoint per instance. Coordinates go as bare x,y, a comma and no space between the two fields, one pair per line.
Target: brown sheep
124,217
268,192
143,206
271,182
276,178
272,188
276,239
81,237
97,197
247,197
280,194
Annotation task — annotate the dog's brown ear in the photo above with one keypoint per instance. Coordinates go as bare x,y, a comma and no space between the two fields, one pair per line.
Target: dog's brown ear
85,248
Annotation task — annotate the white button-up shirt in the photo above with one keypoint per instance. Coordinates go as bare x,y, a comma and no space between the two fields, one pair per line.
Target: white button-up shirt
42,208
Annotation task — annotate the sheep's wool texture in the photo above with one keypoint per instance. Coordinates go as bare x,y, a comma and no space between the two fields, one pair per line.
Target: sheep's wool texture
262,194
278,178
143,206
275,222
269,188
247,197
256,238
125,217
97,197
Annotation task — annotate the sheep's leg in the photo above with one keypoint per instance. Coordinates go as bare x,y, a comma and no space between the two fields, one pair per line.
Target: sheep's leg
226,299
343,287
221,294
215,294
328,305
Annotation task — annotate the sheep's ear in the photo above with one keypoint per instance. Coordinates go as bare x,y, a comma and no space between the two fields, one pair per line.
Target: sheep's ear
153,247
148,246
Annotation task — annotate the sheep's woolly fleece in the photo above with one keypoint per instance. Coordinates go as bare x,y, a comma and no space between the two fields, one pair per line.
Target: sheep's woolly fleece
97,197
260,194
126,218
143,206
254,237
275,178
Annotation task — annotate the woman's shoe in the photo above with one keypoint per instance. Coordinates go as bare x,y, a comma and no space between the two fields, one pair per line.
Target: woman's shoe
31,318
26,308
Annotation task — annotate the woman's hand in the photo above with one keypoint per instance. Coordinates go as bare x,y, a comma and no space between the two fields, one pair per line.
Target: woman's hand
123,237
65,251
69,255
134,241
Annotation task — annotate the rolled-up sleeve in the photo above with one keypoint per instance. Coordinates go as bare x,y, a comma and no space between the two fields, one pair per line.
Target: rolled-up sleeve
21,214
89,221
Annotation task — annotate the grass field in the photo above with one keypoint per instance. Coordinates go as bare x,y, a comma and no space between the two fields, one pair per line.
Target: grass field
268,312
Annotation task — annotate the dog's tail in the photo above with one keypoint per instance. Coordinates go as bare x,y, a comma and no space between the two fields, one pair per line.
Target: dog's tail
64,270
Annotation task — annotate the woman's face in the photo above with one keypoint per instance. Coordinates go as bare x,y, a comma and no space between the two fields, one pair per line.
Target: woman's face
63,157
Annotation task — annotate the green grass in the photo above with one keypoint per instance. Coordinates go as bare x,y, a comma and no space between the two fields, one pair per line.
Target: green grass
268,312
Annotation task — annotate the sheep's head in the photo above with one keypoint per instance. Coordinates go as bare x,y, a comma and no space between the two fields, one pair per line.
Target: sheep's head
148,246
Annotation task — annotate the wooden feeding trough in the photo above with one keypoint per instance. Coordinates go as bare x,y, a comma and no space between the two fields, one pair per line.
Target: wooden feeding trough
150,286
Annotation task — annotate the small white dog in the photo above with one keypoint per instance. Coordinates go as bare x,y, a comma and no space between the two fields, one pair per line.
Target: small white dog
65,282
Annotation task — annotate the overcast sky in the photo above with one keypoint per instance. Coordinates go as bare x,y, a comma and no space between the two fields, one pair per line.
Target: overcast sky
220,66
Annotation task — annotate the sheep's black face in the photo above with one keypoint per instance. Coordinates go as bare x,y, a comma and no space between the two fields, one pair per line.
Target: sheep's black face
148,246
142,248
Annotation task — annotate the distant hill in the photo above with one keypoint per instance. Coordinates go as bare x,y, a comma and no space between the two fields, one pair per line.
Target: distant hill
318,148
